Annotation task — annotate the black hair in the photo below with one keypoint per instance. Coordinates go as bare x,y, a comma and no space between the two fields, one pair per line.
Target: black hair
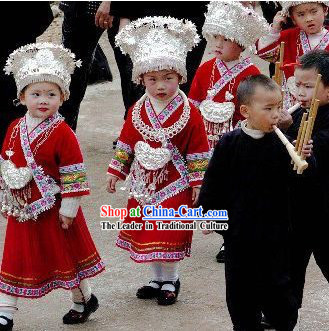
319,3
318,60
247,87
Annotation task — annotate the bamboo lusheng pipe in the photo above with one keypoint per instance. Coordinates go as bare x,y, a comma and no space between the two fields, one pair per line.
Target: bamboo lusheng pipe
299,162
300,130
317,83
299,133
314,113
278,66
311,119
301,141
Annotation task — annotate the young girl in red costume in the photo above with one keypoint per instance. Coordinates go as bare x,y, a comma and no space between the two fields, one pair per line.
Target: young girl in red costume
229,28
162,146
308,34
43,177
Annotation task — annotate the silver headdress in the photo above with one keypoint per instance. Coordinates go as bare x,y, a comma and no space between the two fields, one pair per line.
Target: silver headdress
42,62
286,5
157,43
234,21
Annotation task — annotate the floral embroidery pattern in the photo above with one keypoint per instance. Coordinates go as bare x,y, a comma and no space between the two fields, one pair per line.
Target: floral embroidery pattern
123,146
324,42
122,159
73,178
228,75
45,184
195,103
174,256
56,283
197,164
45,125
198,156
271,56
180,184
169,110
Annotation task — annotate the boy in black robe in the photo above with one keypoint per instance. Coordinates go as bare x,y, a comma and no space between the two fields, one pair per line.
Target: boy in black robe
310,198
249,176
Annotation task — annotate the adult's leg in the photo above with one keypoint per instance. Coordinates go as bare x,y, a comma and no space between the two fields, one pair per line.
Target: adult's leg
81,36
130,91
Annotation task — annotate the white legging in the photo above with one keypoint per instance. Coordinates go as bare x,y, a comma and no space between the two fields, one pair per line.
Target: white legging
81,294
165,271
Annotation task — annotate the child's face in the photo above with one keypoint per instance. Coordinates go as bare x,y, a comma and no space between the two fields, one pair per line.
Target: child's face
225,49
305,83
309,16
42,99
264,109
161,85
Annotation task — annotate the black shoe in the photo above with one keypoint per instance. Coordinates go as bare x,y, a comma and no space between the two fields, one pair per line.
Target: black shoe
149,292
167,298
220,257
8,326
74,317
266,324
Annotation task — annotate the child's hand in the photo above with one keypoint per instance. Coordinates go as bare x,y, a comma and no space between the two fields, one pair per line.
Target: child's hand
111,183
278,20
285,120
195,195
65,221
307,149
205,232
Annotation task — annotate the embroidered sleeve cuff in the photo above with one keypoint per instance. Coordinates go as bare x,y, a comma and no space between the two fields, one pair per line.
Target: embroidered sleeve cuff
197,164
70,206
120,164
73,180
270,54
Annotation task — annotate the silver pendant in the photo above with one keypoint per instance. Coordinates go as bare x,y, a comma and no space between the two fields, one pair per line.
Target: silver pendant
9,153
15,178
217,112
151,158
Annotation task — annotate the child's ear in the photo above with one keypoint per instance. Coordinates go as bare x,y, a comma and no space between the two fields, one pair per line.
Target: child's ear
22,99
244,110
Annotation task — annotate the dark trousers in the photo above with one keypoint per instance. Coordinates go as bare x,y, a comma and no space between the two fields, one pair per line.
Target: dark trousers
309,235
258,284
81,36
194,57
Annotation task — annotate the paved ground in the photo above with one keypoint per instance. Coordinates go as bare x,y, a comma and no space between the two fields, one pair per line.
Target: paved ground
201,304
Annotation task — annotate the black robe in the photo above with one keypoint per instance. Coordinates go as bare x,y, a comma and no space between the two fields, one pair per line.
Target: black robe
310,206
250,178
314,190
